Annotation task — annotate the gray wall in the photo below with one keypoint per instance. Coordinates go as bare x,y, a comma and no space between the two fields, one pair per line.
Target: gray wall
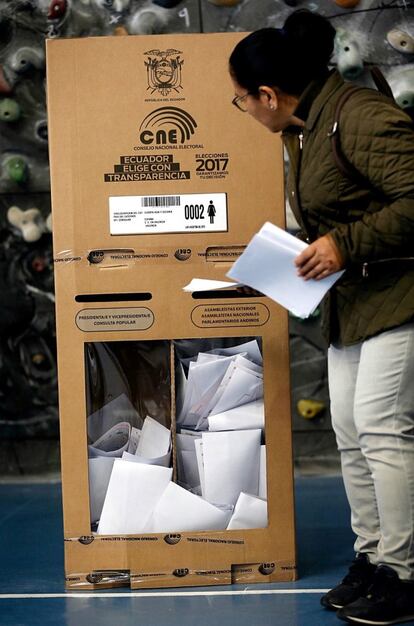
368,32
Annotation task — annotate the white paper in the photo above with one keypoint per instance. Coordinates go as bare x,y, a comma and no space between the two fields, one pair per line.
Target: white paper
100,469
232,395
133,492
155,439
118,410
247,416
200,464
112,443
204,284
180,385
262,474
187,398
250,349
203,381
185,439
206,378
243,386
267,265
163,461
208,357
188,474
134,440
249,512
180,510
230,461
187,466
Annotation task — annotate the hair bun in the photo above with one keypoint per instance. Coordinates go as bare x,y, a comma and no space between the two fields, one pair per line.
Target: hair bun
311,35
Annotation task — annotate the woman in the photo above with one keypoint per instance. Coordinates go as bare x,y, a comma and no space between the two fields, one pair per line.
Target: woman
281,78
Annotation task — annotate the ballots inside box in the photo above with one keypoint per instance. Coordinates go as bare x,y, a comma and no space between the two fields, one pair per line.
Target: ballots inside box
216,460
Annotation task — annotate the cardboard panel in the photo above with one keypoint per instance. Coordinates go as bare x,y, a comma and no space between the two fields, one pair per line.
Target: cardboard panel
151,147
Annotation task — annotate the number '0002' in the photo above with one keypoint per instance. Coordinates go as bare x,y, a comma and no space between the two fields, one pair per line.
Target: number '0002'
194,211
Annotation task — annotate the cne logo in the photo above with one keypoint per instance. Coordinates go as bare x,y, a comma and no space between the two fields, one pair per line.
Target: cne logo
267,568
86,539
96,256
94,578
164,71
181,572
172,539
167,125
182,254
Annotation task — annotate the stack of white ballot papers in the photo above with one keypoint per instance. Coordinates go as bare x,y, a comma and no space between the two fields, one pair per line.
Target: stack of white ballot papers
221,422
267,265
220,451
150,445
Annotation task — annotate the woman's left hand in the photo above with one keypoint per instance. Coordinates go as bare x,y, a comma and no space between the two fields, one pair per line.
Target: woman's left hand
320,259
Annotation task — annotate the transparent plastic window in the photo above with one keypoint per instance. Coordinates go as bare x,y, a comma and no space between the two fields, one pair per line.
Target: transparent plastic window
216,480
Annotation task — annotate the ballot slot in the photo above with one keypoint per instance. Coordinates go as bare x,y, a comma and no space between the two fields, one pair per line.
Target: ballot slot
217,294
114,297
219,481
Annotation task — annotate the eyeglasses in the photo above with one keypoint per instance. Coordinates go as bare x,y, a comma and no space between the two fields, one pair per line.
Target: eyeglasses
238,102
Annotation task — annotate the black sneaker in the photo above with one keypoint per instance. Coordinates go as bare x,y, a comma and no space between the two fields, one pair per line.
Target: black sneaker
355,584
389,601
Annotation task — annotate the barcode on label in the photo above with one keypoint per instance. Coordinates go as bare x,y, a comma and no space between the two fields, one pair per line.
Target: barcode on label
162,201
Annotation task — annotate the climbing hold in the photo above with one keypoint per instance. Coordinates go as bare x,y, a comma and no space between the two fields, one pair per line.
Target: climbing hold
57,9
347,4
309,409
225,3
120,31
167,4
5,86
114,6
401,82
148,21
41,133
17,169
30,223
405,99
348,55
48,222
401,41
25,59
9,110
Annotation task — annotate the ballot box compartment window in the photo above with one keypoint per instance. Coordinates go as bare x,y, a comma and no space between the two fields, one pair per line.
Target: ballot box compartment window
220,426
128,394
216,478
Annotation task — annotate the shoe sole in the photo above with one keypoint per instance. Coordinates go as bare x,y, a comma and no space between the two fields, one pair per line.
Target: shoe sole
408,618
331,606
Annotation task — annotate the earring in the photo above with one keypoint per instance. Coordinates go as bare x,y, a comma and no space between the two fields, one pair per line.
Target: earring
272,107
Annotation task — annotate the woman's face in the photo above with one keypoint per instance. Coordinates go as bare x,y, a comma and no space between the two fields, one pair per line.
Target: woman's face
265,107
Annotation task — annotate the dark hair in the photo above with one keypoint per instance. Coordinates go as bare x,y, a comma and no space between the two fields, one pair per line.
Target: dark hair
288,58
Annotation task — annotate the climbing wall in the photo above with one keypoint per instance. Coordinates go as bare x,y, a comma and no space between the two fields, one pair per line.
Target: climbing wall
368,32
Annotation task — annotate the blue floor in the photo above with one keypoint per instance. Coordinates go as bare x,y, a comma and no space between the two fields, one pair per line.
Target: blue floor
31,562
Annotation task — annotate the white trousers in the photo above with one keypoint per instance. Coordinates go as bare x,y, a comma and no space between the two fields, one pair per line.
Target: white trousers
371,387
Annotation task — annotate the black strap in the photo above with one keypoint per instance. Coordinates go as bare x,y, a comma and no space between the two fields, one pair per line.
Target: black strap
381,82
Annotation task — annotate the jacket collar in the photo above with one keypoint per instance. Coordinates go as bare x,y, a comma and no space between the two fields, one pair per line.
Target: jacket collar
314,98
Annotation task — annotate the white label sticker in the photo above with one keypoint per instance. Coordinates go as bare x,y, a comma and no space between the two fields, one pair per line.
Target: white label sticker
185,213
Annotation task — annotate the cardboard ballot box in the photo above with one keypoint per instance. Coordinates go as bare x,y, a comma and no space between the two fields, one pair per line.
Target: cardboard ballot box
174,407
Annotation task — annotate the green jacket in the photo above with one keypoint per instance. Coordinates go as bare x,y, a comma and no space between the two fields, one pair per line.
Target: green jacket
378,138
